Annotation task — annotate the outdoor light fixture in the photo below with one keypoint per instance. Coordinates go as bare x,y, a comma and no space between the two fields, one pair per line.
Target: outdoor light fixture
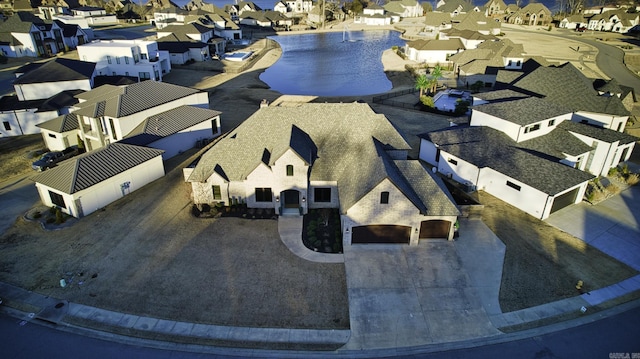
277,198
304,199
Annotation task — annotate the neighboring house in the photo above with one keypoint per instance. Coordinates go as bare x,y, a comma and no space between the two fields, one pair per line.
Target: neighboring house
476,21
612,88
329,155
193,31
293,6
24,34
538,161
483,62
95,16
138,58
48,12
373,15
176,130
433,52
495,9
404,8
60,132
109,113
81,185
532,14
222,23
265,19
43,91
615,21
455,7
573,22
73,35
436,21
181,52
469,38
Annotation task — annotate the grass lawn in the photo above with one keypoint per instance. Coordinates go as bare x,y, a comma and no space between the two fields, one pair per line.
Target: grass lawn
543,264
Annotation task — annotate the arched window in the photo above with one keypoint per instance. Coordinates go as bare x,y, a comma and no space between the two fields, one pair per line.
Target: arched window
289,170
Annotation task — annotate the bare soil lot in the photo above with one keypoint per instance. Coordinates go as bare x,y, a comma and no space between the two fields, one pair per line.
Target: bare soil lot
146,254
543,264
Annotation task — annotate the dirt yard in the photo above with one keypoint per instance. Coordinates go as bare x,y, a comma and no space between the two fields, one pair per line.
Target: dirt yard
146,254
543,264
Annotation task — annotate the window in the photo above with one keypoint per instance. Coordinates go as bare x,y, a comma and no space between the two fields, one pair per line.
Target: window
217,193
157,73
52,135
513,185
143,56
322,194
108,59
384,197
438,155
117,60
552,122
57,199
263,195
144,75
532,128
452,161
7,126
289,170
126,60
113,129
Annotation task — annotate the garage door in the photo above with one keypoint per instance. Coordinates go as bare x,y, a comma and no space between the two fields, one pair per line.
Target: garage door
381,234
564,200
436,228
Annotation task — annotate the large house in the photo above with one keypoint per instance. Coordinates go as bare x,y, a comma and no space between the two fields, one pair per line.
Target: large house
536,142
532,14
292,158
43,91
136,58
24,34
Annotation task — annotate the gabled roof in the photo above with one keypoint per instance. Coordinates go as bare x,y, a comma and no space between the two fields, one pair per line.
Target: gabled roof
598,133
437,18
59,69
523,111
192,28
467,34
437,45
453,5
168,123
60,124
91,168
345,143
63,99
487,147
114,101
11,102
556,144
19,22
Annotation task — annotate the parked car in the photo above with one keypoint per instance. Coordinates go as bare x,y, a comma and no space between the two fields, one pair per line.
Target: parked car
581,29
51,159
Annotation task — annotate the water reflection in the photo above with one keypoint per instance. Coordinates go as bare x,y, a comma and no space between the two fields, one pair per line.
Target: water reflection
325,65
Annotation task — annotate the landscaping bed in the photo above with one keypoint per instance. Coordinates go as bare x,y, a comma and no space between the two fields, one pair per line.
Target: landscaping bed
322,231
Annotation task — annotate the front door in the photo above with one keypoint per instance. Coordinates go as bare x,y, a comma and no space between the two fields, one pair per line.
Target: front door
291,199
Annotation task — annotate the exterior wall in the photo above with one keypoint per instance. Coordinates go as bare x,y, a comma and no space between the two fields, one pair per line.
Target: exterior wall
431,56
41,91
482,119
28,47
545,127
616,123
527,199
428,152
580,159
102,20
91,199
261,177
179,59
186,139
59,141
458,169
23,122
605,155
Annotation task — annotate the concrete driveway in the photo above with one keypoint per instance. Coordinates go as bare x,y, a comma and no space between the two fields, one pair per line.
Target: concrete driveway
612,226
435,292
17,195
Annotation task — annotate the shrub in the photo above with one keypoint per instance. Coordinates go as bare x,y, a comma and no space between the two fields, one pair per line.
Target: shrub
427,101
37,214
612,171
59,216
52,210
633,179
613,189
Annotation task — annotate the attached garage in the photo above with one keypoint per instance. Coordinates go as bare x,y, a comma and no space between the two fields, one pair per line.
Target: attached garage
564,200
435,229
381,234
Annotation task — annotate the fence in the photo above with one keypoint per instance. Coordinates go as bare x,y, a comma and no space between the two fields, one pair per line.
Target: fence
386,99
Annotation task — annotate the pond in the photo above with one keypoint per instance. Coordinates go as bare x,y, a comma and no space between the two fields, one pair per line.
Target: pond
346,63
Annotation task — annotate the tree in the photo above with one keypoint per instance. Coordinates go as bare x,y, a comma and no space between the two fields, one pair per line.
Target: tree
435,75
422,83
427,7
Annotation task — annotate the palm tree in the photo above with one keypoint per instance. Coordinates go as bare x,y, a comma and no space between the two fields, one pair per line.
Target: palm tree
422,83
435,75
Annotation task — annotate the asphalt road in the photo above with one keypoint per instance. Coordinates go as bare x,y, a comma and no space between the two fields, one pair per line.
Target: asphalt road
617,333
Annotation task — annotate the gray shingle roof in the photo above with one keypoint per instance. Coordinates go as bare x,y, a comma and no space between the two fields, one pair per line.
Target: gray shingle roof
425,45
556,143
566,85
523,111
487,147
168,123
86,170
343,142
599,133
114,101
58,70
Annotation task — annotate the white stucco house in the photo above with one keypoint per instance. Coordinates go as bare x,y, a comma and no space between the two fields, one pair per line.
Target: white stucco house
433,52
24,34
313,155
43,91
404,8
95,16
81,185
137,58
541,160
